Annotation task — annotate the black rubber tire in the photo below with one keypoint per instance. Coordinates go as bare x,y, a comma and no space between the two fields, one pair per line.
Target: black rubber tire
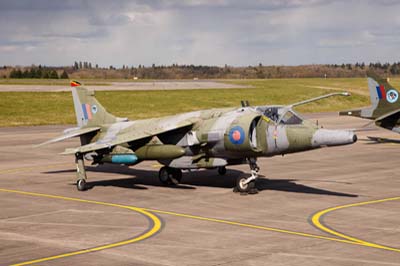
222,170
81,185
164,176
176,175
244,188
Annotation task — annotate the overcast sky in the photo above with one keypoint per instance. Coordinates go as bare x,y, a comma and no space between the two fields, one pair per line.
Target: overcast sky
208,32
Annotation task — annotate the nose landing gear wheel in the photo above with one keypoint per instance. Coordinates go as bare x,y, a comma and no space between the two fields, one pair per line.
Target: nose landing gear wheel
243,186
247,185
81,184
170,176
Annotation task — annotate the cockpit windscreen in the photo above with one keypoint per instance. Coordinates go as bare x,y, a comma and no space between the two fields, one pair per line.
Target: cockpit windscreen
290,118
281,115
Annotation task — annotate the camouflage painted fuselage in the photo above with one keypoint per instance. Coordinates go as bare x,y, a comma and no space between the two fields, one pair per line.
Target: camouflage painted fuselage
217,137
211,138
201,139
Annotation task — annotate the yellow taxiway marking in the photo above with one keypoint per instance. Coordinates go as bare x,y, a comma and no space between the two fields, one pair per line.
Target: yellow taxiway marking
148,233
157,225
157,165
316,220
260,227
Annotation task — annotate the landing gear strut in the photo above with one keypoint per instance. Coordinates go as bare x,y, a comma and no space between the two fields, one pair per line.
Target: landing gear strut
170,176
247,184
80,173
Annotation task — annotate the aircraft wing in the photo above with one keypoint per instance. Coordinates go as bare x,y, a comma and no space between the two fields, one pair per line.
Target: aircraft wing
319,98
394,113
139,131
389,120
383,140
70,133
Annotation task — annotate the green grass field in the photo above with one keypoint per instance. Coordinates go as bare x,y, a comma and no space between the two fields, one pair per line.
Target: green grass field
42,108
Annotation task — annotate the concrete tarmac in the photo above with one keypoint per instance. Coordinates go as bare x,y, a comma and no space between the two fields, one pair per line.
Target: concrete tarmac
44,220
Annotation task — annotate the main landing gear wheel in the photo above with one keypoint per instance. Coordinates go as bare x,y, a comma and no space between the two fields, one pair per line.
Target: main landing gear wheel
170,176
222,170
247,185
81,184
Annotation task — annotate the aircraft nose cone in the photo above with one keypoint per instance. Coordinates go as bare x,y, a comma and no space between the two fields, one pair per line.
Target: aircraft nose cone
327,137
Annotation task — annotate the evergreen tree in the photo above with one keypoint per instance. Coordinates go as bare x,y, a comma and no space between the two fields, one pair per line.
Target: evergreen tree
32,73
13,74
53,74
64,75
39,73
25,74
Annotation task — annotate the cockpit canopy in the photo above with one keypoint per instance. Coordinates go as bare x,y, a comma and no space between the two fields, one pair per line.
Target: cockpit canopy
280,115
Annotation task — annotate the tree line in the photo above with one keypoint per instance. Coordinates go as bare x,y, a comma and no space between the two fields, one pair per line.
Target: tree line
88,70
37,73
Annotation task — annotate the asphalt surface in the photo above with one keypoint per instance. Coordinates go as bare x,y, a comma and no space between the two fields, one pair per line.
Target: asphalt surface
131,86
129,218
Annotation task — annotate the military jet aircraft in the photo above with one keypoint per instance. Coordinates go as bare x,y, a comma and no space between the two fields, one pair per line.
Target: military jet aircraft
210,139
385,106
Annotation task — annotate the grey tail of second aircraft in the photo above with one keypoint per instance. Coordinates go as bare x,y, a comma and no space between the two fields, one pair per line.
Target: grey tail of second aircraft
89,112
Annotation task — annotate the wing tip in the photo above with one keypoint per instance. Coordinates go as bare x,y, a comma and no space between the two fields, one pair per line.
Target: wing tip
75,83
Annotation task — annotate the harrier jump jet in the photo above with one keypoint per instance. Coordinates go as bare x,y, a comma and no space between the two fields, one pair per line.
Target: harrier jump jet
385,105
210,139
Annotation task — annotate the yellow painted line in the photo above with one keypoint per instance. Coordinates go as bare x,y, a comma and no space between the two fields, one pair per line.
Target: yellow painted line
157,165
316,220
24,169
254,226
155,228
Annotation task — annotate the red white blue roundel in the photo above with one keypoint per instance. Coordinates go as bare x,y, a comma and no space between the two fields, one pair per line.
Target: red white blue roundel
94,108
236,135
392,96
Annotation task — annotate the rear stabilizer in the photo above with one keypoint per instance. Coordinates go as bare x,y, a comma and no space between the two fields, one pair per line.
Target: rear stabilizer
89,112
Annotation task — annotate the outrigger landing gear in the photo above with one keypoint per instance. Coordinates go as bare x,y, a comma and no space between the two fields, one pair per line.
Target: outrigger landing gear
170,176
80,173
248,184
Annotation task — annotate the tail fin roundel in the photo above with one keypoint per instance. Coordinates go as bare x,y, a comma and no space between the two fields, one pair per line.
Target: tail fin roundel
381,92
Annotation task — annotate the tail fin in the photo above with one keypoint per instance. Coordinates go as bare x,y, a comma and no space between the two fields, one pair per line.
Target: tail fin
384,98
89,112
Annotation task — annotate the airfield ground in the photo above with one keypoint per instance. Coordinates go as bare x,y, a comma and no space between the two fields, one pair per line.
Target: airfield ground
130,219
126,86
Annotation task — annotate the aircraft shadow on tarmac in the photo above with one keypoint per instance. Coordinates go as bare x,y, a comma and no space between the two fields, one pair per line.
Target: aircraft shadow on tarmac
142,178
